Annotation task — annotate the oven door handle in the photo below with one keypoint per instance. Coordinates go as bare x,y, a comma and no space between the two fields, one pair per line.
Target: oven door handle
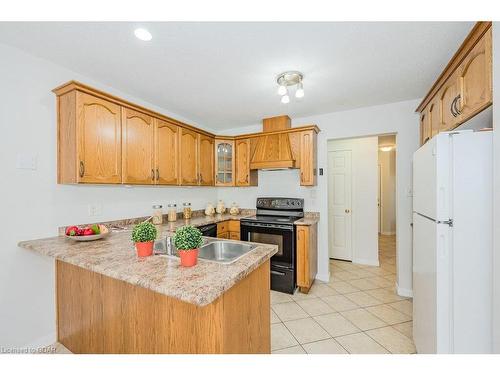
255,225
273,272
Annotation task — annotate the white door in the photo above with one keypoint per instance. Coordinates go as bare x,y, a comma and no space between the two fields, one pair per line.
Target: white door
339,204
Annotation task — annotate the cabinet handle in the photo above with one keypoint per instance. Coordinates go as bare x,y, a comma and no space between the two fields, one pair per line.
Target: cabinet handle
457,99
157,174
452,107
82,168
347,210
302,176
152,174
200,177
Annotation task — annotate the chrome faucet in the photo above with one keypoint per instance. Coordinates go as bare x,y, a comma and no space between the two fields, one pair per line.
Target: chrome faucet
169,245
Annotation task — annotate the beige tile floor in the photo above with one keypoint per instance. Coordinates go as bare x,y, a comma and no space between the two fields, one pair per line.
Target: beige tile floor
358,311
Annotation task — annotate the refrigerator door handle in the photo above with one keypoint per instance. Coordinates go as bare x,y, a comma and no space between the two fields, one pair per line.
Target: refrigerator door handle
448,222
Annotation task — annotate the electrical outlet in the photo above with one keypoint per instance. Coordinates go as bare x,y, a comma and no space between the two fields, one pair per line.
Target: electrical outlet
26,161
95,209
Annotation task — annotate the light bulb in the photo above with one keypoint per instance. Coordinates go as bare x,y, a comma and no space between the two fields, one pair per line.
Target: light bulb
285,99
300,91
385,148
282,90
143,34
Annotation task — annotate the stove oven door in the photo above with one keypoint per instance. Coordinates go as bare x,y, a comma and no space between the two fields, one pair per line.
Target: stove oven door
281,235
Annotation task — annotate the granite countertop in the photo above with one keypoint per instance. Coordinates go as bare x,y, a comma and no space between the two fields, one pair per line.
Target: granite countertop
307,221
115,256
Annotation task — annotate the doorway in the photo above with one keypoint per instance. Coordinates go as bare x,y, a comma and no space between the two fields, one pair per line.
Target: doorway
362,200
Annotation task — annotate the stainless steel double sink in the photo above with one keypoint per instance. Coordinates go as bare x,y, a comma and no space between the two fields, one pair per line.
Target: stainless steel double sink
213,250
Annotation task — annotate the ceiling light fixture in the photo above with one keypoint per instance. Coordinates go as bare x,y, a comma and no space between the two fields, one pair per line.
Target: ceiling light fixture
386,148
285,99
143,34
287,79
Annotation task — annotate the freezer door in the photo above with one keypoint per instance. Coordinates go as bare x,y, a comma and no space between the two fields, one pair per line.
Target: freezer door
432,320
432,177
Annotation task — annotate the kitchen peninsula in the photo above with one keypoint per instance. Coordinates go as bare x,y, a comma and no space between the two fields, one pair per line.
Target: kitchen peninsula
110,301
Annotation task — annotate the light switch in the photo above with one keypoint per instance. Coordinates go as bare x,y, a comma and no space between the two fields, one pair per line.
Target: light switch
26,161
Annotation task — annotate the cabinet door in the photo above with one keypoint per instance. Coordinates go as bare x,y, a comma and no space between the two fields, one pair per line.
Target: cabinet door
447,100
138,148
424,130
188,157
308,158
167,153
433,118
242,162
475,79
98,140
302,256
224,163
206,160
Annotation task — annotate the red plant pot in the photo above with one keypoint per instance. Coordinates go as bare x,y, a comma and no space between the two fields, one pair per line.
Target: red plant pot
144,249
189,258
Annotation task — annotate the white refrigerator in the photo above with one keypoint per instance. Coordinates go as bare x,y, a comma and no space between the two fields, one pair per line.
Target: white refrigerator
453,244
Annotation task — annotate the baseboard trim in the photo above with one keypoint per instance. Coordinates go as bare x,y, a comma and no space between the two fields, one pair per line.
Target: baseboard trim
403,292
323,277
367,262
42,342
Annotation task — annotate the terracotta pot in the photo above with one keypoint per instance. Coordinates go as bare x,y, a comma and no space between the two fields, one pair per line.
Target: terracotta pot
144,249
189,258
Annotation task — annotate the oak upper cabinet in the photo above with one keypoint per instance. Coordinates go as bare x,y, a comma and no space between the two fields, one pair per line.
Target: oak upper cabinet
188,154
206,160
166,153
89,139
475,75
244,176
224,162
425,129
137,148
307,256
463,89
308,141
447,98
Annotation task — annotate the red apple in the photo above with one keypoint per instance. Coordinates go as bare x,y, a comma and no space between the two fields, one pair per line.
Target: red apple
72,231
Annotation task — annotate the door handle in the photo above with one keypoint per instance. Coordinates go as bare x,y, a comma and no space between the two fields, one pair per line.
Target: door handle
347,211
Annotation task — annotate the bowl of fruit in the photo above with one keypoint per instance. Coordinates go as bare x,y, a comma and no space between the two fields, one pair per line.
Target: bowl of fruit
88,233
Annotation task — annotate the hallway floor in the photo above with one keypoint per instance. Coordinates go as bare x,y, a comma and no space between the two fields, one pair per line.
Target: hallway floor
357,311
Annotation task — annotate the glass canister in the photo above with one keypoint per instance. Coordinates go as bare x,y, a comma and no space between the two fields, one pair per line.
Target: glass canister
186,210
157,214
172,212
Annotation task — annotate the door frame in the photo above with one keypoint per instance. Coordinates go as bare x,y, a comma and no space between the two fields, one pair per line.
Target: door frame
327,141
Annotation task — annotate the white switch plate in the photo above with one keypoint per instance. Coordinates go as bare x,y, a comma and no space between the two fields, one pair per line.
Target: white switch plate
26,161
95,209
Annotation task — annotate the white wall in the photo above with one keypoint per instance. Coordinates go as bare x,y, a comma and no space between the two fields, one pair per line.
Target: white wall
496,166
33,205
398,118
364,191
387,162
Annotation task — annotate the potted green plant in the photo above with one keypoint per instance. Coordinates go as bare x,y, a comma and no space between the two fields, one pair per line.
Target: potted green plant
187,240
144,235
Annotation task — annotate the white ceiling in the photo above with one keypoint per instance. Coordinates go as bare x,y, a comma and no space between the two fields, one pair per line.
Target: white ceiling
222,75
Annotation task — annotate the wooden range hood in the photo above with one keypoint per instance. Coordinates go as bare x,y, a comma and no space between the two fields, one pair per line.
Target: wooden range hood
273,150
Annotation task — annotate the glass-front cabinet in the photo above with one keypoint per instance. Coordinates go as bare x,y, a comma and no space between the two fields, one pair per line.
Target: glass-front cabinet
224,162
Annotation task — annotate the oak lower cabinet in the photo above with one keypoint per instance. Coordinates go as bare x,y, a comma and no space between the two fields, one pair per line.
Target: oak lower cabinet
138,161
206,160
244,176
166,153
307,256
188,154
229,229
89,139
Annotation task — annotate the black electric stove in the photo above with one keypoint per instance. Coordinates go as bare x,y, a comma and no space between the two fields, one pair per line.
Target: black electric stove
273,224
